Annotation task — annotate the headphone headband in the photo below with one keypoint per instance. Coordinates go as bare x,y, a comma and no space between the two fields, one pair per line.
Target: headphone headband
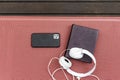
84,51
84,74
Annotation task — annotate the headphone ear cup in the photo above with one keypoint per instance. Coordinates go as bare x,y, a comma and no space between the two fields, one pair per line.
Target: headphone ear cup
76,53
65,62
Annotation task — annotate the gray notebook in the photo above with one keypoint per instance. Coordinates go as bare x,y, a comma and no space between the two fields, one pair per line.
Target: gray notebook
82,37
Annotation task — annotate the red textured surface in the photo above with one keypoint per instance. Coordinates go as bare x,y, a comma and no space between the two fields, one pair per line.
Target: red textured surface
19,61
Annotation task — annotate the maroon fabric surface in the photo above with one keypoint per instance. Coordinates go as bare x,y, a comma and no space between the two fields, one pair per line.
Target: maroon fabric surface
19,61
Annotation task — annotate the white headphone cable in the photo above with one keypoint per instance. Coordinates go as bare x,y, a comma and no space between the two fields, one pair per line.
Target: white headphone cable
52,74
49,67
62,71
73,77
95,76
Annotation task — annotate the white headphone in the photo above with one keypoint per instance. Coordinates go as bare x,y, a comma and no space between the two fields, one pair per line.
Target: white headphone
77,53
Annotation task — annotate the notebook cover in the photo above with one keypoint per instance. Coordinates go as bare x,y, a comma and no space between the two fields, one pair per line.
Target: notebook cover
82,37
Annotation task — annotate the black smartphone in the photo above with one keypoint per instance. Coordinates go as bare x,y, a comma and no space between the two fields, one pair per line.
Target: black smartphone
45,40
